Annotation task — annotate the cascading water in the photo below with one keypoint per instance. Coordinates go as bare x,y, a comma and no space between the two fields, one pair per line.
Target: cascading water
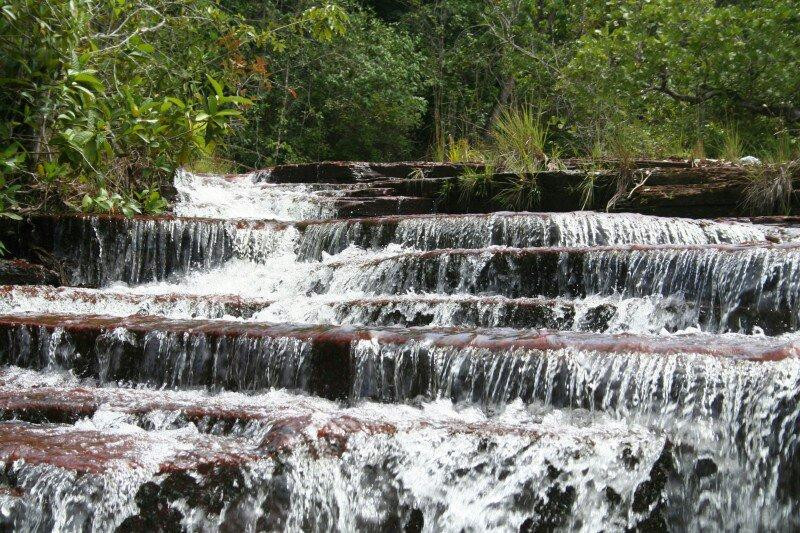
518,230
247,365
246,197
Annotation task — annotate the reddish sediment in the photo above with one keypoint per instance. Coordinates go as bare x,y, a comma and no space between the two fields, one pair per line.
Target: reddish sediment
498,339
95,452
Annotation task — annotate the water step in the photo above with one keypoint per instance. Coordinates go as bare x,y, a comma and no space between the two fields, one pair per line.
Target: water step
347,171
742,286
72,300
270,422
309,454
330,361
428,232
697,200
707,191
246,196
97,250
96,451
697,175
592,314
365,207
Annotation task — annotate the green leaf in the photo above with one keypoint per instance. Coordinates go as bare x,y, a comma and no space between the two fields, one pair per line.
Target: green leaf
216,85
235,100
8,12
87,79
177,101
228,113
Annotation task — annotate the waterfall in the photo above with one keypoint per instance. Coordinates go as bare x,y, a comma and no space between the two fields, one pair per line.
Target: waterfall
699,401
291,353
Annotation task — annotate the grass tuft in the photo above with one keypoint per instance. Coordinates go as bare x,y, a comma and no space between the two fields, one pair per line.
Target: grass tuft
770,188
732,147
518,141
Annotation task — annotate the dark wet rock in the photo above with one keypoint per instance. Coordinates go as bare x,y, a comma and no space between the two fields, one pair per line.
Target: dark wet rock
13,505
211,490
597,318
349,171
551,512
655,522
629,459
705,467
415,523
155,513
649,499
19,272
613,497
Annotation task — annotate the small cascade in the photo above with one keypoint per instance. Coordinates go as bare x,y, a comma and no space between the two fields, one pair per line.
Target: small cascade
598,314
737,288
314,348
121,302
368,467
519,230
249,196
96,251
245,197
699,401
164,358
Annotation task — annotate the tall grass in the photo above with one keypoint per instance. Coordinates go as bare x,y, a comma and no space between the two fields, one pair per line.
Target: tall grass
783,149
518,141
474,183
732,147
616,149
516,144
520,193
461,151
517,149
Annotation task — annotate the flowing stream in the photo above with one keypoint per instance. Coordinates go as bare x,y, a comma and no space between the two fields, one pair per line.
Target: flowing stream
271,359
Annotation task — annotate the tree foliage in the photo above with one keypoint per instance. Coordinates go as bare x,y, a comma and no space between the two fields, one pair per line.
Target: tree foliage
102,99
358,96
714,62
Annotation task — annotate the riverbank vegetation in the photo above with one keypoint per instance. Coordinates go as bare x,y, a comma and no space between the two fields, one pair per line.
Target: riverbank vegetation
103,99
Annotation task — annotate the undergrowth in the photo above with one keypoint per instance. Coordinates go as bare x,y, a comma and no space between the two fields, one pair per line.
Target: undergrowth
518,148
769,189
514,153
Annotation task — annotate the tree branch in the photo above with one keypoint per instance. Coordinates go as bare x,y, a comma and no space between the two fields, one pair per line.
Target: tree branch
788,112
664,88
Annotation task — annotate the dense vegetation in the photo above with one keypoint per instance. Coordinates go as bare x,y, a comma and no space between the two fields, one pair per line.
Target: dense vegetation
103,99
